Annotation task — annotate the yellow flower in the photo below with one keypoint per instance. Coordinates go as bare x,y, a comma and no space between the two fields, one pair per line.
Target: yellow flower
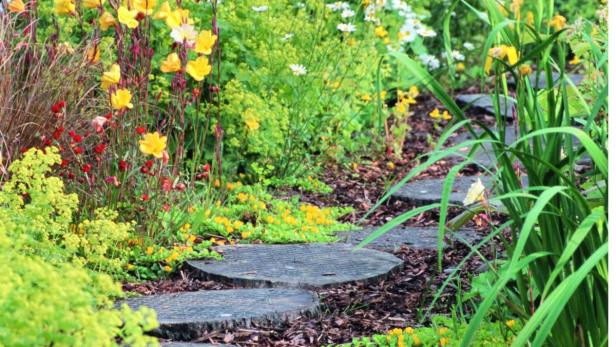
510,323
205,41
242,197
416,341
111,77
149,250
252,123
154,144
366,98
530,18
120,99
576,60
145,6
558,22
435,114
501,52
64,6
163,11
128,17
512,55
408,330
525,70
446,115
171,64
167,268
93,54
198,68
130,267
17,6
106,20
460,67
442,330
443,341
391,165
476,192
92,3
380,32
178,17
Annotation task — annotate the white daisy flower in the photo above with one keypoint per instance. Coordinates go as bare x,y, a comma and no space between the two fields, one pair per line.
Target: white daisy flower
346,28
456,55
425,32
348,13
260,8
287,37
430,61
298,70
338,6
468,45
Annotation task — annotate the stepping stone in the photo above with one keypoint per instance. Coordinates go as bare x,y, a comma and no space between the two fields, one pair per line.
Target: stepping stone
483,155
413,237
429,191
484,103
542,83
314,265
185,316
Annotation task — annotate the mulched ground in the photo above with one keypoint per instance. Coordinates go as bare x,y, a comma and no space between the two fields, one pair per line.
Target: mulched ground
361,310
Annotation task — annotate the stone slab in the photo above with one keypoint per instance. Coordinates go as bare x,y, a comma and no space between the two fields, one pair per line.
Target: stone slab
413,237
296,265
185,316
483,102
540,82
429,191
484,155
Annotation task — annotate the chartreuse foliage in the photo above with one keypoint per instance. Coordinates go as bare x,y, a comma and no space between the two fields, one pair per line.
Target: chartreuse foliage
49,293
554,276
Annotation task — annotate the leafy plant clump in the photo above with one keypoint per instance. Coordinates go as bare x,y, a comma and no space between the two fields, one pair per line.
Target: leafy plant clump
50,293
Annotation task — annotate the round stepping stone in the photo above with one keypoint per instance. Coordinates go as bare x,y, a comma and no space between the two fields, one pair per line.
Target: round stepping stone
484,103
413,237
429,191
185,316
297,265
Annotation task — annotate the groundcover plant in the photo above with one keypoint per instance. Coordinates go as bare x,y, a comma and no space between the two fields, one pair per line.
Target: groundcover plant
463,142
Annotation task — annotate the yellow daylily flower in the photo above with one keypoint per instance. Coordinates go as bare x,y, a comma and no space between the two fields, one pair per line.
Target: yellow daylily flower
476,192
128,17
145,6
93,54
558,22
512,55
111,77
64,6
205,41
177,18
17,6
106,20
171,64
525,70
198,68
120,99
163,11
576,60
92,3
153,144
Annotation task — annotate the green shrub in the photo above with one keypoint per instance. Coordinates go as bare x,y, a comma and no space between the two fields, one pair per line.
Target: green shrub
47,296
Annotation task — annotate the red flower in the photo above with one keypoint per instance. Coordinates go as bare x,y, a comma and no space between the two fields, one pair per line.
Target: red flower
100,148
144,170
166,207
166,184
64,163
206,168
123,165
57,108
77,138
86,168
78,150
145,197
72,133
149,164
140,130
108,115
58,132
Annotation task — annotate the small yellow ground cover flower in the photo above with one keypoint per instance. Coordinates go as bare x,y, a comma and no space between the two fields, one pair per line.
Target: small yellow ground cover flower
558,22
153,144
380,32
92,3
171,64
